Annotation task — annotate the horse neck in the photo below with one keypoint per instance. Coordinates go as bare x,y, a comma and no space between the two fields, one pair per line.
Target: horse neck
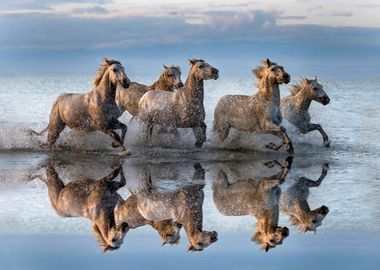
104,224
302,210
302,101
162,84
106,89
267,219
271,92
194,88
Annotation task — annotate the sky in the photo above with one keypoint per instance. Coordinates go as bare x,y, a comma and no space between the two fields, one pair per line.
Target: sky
329,38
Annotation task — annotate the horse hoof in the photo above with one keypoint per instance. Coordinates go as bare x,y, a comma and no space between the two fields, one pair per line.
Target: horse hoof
290,149
198,144
115,144
326,144
271,146
125,152
288,162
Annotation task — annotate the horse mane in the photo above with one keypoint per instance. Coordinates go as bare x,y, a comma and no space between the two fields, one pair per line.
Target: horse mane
298,86
258,71
102,69
297,223
99,237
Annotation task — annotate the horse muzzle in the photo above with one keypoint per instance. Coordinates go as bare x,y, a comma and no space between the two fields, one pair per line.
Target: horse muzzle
126,83
215,74
179,85
325,100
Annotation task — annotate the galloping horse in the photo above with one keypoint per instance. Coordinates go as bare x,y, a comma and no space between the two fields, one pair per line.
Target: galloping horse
179,109
128,99
260,112
295,107
94,110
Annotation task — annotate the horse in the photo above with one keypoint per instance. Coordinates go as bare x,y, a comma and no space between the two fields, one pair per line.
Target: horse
258,197
179,109
128,99
294,203
295,107
259,112
94,110
183,206
128,211
92,199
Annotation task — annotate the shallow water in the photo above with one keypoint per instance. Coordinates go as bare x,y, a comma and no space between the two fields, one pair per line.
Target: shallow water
348,236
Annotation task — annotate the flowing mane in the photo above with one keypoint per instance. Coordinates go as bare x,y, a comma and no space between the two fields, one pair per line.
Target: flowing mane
102,69
296,88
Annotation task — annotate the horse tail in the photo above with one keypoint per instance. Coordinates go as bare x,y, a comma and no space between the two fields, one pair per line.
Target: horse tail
37,133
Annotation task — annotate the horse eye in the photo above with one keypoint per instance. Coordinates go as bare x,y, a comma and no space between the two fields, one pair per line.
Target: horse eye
114,69
171,75
202,65
315,89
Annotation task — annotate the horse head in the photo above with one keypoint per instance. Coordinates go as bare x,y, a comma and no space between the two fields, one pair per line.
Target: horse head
202,70
272,73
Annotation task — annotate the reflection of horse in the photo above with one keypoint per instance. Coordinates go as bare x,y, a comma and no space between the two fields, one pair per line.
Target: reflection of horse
179,109
95,200
295,108
255,197
127,211
260,112
183,206
94,110
128,99
294,203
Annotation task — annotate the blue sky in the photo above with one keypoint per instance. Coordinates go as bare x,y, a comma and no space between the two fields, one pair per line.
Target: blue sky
335,38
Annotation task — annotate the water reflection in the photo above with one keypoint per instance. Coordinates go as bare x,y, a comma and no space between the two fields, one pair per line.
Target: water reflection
254,196
92,199
169,196
179,207
294,203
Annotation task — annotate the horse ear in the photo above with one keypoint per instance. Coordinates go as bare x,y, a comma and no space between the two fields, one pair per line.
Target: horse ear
267,248
165,67
191,248
191,61
268,62
164,243
316,78
106,60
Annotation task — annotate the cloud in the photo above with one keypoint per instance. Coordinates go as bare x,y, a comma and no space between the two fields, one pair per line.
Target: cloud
227,20
292,17
368,5
343,14
90,10
315,8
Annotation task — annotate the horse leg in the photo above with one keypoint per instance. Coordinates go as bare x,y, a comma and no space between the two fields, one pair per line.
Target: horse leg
109,178
280,132
56,125
310,127
55,130
223,130
116,138
316,183
124,129
200,134
55,186
279,178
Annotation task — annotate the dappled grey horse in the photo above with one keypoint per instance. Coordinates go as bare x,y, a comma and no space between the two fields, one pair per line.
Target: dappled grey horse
295,107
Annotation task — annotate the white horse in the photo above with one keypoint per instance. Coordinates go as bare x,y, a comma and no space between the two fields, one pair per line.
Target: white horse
295,107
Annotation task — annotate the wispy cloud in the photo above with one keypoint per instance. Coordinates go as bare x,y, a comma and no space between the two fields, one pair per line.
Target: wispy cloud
315,8
343,14
292,17
89,10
